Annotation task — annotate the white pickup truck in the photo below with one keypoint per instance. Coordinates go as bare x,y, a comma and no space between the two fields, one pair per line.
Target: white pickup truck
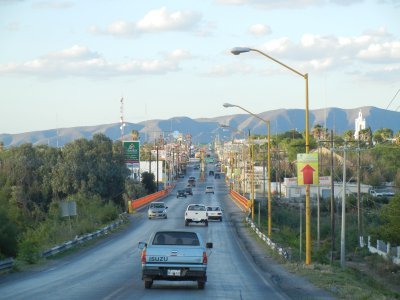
196,213
377,193
174,255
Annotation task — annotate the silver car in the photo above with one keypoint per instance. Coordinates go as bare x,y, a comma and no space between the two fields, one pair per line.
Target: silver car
157,210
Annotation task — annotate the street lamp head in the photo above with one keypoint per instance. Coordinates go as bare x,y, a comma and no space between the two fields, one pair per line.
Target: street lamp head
228,105
239,50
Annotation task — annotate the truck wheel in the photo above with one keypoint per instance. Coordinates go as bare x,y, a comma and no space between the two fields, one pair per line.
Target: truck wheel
206,223
201,284
186,223
148,283
220,219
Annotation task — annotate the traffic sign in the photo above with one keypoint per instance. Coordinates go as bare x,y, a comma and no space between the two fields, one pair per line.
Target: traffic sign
307,168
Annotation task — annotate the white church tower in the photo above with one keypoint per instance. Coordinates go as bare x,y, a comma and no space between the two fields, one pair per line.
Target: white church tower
360,125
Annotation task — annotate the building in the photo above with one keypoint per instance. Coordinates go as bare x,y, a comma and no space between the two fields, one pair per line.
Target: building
359,125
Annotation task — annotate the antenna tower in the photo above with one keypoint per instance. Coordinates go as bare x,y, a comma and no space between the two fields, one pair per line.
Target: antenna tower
122,119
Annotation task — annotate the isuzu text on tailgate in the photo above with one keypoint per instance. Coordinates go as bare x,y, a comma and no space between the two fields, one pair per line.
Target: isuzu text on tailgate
174,255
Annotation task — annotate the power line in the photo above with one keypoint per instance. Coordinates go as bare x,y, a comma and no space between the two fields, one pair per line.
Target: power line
393,99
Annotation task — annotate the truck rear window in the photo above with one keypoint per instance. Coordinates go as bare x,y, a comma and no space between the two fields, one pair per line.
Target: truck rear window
197,207
176,238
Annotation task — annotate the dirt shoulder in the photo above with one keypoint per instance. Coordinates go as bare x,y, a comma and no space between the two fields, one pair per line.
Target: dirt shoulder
359,280
294,286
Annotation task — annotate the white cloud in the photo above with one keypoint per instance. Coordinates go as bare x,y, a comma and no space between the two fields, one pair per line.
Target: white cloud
383,52
317,53
273,4
158,20
162,20
80,61
259,29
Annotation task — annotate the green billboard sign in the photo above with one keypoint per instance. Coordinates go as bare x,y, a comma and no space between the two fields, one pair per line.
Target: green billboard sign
132,152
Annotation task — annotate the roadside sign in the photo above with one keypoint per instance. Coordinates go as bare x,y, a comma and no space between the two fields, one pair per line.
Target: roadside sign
132,152
307,168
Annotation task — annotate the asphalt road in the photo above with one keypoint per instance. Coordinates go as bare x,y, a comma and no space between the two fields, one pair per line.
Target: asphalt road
111,269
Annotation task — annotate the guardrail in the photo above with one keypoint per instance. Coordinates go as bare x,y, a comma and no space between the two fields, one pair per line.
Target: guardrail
81,239
6,264
135,204
9,263
241,200
245,203
285,253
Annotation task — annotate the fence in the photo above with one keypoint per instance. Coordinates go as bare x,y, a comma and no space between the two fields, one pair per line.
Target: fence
383,249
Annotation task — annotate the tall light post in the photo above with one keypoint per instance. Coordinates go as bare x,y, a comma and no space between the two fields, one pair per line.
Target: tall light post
239,50
269,160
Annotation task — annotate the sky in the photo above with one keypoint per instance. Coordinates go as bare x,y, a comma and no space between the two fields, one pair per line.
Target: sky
68,63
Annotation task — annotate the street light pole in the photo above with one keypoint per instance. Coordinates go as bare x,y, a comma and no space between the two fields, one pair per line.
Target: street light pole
239,50
269,161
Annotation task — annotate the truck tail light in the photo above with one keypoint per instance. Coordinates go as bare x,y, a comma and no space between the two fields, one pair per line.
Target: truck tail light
204,258
144,256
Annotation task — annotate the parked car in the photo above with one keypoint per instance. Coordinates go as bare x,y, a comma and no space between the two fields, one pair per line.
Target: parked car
189,191
180,193
174,255
209,189
214,213
157,210
381,193
196,213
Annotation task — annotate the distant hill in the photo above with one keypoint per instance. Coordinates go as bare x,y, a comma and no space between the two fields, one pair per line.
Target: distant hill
203,130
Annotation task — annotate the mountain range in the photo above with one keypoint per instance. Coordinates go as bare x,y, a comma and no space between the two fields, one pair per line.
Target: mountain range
203,130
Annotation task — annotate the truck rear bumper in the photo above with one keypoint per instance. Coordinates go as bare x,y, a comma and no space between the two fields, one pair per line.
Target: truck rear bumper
161,273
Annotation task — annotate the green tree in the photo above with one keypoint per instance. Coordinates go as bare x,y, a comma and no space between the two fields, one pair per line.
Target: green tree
390,217
348,135
8,235
382,135
148,182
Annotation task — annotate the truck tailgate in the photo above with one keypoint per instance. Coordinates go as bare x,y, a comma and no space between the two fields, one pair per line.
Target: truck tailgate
174,255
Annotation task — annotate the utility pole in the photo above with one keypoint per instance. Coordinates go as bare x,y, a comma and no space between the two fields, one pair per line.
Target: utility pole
157,166
332,202
343,230
359,192
318,199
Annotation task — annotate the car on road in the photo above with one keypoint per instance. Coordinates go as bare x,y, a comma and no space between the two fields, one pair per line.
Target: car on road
180,193
211,173
189,191
157,210
209,190
214,213
192,181
196,213
174,255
